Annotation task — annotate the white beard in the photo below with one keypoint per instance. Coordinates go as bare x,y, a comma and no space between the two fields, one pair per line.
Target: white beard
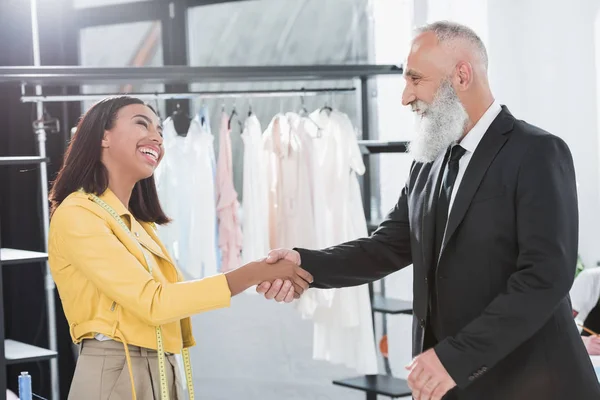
440,124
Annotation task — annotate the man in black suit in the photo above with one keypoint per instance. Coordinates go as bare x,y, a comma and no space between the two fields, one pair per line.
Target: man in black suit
488,218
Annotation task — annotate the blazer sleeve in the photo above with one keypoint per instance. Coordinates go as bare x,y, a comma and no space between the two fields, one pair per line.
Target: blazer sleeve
88,244
364,260
547,229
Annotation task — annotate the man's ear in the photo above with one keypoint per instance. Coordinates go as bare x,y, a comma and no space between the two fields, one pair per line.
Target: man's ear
464,75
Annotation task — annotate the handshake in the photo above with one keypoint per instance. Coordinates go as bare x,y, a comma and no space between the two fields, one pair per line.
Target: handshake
278,276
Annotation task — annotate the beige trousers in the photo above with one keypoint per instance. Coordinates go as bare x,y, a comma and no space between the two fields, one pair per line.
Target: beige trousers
102,373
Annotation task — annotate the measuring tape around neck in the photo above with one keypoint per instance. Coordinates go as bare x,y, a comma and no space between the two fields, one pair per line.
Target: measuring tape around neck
164,390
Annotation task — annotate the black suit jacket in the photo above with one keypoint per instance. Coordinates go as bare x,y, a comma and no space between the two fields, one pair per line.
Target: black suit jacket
504,273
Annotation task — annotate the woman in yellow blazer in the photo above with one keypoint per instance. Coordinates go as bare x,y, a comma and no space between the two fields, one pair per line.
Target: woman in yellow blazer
124,299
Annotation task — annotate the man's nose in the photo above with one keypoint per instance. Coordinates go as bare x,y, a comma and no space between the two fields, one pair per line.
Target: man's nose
408,96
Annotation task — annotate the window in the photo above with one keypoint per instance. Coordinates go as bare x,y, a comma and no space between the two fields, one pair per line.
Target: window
139,44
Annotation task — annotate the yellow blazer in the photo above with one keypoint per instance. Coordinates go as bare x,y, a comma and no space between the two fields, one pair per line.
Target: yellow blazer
105,287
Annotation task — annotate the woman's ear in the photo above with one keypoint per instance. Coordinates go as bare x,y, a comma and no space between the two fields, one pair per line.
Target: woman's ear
106,140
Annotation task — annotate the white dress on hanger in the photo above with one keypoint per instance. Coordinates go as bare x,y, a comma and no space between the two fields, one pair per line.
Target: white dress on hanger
289,187
343,327
255,206
186,192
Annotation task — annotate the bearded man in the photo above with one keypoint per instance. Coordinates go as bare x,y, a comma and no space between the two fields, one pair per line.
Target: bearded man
488,218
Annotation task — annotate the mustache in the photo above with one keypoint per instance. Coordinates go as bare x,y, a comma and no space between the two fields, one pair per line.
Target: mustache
419,106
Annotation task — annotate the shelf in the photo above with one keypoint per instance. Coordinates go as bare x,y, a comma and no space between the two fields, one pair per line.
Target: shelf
22,160
14,256
391,306
378,385
17,352
378,146
76,75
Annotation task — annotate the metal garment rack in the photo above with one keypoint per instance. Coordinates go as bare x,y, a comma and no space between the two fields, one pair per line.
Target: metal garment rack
372,385
189,95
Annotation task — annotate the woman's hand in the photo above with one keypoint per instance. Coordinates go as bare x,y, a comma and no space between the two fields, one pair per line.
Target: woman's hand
278,289
285,270
284,274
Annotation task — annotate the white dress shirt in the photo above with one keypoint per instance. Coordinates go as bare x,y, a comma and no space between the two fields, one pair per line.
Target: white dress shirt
470,143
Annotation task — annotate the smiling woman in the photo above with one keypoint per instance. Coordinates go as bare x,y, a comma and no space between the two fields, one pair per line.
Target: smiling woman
108,147
124,298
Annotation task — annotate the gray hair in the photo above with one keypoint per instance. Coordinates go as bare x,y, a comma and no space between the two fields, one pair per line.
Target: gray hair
447,31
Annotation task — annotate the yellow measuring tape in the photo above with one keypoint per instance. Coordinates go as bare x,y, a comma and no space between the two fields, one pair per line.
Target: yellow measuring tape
164,389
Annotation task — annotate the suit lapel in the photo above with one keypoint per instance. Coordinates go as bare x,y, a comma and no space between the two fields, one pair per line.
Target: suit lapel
486,151
428,213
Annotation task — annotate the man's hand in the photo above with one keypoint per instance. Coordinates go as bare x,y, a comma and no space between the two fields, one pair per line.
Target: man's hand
428,379
279,290
592,344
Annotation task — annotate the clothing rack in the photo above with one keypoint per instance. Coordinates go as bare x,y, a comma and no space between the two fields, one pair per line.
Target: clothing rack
191,95
64,76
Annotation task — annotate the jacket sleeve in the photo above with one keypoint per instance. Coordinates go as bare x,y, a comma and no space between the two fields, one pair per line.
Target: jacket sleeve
547,235
364,260
88,244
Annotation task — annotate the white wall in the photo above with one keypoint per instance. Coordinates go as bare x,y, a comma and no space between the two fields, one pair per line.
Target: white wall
543,55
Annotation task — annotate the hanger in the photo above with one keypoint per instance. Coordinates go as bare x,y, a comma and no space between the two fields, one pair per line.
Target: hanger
304,113
234,114
202,112
181,120
156,110
303,110
327,108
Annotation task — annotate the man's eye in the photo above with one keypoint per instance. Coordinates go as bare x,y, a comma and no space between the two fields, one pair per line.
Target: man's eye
143,123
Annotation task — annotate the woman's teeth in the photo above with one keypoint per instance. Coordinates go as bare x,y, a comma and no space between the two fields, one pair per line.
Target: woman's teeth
150,152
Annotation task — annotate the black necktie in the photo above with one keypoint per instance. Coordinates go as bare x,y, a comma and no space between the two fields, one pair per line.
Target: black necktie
441,218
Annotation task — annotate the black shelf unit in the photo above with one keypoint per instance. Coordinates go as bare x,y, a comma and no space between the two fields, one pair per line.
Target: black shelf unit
14,256
380,384
377,385
379,146
12,351
22,160
386,305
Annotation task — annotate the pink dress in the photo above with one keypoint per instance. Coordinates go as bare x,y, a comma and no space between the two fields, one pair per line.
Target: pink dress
230,232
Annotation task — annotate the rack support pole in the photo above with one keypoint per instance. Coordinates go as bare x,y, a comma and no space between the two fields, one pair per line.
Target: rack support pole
49,282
